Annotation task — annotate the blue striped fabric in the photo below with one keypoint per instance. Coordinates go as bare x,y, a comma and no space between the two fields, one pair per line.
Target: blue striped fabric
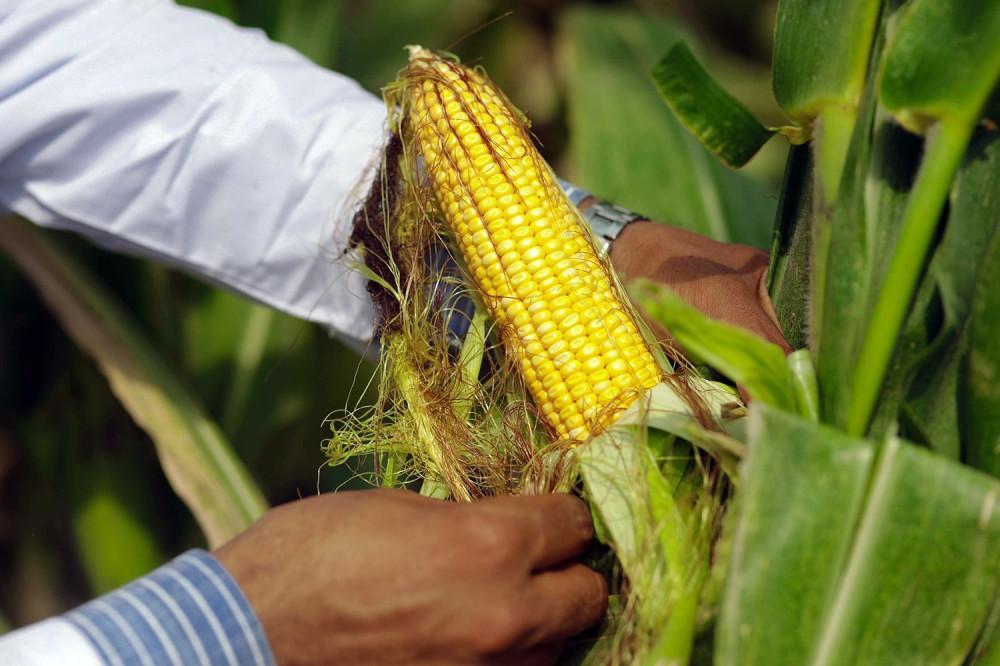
187,612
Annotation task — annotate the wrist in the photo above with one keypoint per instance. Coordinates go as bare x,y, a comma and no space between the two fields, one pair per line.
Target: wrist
605,219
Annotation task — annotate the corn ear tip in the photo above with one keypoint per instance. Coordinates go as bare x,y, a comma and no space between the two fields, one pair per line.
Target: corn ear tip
416,51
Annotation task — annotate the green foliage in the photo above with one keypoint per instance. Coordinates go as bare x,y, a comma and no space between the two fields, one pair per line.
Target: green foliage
201,466
942,63
849,552
630,149
725,126
878,550
754,364
820,62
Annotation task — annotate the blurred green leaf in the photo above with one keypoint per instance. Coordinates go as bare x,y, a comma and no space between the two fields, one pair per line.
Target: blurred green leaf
225,339
756,365
311,27
943,63
115,542
373,33
980,418
725,126
198,461
987,650
628,147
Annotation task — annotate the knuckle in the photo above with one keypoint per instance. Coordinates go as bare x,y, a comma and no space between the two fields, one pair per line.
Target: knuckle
502,628
492,540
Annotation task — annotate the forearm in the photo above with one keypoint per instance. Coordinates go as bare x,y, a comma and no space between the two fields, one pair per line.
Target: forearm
172,134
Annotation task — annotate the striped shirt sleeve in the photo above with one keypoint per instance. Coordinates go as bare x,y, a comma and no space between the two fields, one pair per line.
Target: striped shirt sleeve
188,612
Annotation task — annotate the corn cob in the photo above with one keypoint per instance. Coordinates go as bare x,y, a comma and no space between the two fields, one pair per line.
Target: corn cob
557,305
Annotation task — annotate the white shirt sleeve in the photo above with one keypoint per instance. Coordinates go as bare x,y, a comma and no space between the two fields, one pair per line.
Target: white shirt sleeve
173,134
51,642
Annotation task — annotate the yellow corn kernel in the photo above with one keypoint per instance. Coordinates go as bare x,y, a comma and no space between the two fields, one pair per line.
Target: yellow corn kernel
554,299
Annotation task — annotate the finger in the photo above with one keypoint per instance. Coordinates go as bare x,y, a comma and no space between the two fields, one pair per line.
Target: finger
562,602
554,527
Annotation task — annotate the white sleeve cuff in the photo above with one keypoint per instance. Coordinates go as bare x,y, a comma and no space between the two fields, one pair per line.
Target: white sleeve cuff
52,642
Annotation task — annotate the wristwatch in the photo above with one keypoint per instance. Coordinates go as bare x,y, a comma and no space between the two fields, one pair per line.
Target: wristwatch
606,220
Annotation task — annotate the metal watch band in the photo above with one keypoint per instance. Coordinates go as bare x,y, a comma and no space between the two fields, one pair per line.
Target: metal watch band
606,219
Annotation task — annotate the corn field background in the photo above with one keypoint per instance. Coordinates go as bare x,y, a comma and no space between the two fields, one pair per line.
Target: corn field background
846,543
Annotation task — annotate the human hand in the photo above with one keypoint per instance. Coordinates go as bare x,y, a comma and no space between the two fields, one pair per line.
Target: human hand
391,577
723,280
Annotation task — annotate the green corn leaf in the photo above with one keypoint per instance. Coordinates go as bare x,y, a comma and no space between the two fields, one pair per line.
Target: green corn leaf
987,649
196,458
802,487
790,268
821,51
842,558
721,123
913,55
923,570
980,415
804,383
943,62
756,365
924,378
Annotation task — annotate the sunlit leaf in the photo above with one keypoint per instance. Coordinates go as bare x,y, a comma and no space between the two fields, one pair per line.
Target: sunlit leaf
756,365
821,50
725,126
924,550
802,487
844,558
